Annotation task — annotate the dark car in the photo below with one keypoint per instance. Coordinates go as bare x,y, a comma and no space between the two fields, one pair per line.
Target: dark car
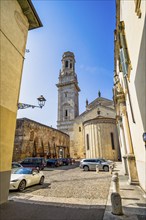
71,160
36,162
52,162
60,161
16,165
65,161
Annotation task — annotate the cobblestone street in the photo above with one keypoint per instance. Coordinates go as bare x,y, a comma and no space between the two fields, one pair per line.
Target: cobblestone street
69,185
67,194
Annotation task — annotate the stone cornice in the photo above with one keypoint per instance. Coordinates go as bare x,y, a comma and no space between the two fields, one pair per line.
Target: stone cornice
31,14
67,84
100,120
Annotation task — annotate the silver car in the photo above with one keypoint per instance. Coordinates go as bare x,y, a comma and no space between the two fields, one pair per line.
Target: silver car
90,164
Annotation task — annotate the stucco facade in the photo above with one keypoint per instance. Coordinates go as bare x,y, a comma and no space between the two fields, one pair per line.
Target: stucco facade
130,86
33,139
14,26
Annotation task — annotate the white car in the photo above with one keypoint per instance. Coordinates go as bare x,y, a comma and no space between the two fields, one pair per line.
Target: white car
24,177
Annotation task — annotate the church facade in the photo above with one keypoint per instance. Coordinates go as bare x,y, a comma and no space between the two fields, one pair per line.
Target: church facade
92,133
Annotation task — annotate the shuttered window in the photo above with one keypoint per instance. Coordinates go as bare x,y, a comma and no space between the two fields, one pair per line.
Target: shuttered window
137,8
124,55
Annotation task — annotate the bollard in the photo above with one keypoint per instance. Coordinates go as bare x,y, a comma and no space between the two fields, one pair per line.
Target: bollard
115,180
97,169
116,204
110,169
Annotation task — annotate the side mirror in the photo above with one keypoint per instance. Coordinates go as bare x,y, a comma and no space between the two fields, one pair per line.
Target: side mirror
34,172
38,169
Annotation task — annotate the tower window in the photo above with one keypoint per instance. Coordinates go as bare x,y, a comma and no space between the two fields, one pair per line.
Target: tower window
65,94
112,141
70,65
66,113
79,129
66,63
87,139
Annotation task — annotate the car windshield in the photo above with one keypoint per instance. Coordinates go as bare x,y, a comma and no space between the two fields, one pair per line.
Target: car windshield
22,171
103,160
50,160
15,165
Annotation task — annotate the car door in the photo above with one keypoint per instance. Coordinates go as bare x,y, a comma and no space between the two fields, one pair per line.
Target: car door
92,164
35,176
98,162
29,177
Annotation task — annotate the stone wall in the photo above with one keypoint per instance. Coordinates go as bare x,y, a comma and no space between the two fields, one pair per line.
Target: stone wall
33,139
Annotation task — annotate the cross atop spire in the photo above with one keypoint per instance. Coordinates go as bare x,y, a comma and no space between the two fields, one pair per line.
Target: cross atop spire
99,93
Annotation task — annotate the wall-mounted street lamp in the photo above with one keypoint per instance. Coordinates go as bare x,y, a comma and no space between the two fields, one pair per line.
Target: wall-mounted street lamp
41,103
144,138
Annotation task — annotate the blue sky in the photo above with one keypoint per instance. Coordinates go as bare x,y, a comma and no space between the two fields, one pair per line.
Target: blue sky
85,28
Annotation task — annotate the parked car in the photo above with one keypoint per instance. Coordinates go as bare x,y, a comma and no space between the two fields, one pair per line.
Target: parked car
71,160
16,165
52,162
90,164
65,161
24,177
60,161
35,162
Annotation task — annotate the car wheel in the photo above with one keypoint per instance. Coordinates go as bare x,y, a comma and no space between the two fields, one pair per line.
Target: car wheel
106,168
22,185
86,168
42,180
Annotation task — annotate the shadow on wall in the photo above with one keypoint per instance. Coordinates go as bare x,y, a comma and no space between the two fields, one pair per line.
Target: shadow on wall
140,80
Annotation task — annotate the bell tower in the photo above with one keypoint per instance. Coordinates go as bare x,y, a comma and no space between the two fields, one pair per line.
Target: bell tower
68,92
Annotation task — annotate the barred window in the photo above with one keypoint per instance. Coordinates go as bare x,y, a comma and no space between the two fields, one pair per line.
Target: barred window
66,114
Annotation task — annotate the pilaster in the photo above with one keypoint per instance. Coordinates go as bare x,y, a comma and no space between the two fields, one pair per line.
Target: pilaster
133,176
